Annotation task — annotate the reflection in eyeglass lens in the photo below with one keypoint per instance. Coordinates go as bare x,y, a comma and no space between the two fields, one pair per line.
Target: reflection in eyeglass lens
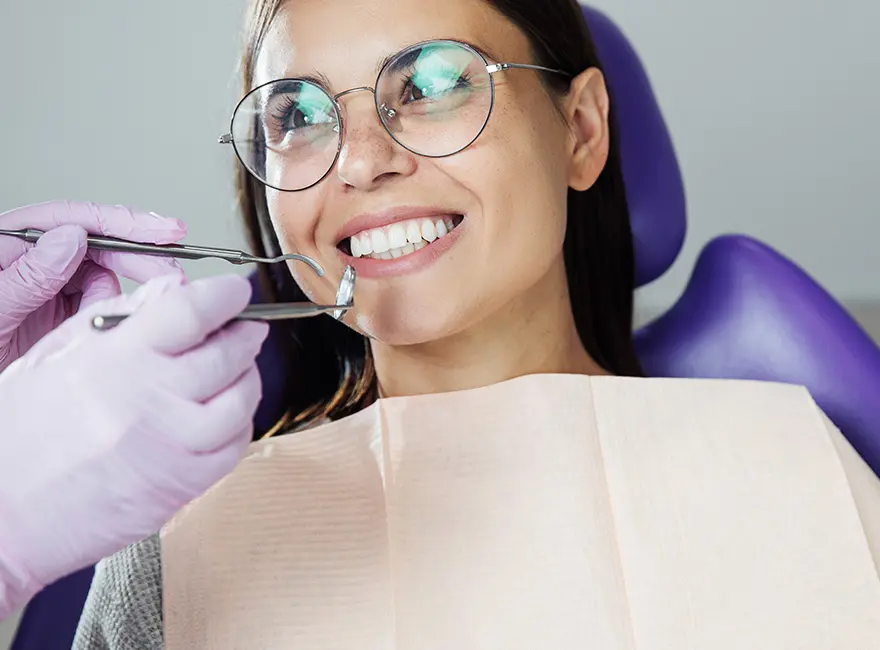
295,115
434,80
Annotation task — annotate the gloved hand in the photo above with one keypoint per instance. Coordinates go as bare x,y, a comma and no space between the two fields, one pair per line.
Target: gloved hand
106,435
41,285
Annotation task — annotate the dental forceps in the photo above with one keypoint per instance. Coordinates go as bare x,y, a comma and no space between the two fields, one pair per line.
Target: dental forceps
179,251
273,311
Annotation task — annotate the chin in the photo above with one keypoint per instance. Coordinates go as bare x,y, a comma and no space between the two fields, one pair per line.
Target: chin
405,327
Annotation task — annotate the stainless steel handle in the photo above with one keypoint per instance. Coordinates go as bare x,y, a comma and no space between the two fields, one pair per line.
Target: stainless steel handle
268,312
166,250
180,251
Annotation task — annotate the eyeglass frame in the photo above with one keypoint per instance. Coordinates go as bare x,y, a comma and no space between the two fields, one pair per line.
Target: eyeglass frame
491,69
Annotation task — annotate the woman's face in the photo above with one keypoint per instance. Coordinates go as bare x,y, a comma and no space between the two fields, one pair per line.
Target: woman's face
505,195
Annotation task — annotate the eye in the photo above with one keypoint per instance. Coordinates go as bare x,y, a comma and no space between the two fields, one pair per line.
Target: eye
290,113
291,117
411,92
297,118
419,87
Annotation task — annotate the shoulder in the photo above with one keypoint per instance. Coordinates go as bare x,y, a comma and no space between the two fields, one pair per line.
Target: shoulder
124,606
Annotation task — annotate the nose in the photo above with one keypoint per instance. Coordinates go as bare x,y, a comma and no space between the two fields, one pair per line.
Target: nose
369,155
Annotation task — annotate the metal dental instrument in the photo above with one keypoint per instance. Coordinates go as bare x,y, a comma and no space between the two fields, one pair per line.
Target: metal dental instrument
345,293
273,311
179,251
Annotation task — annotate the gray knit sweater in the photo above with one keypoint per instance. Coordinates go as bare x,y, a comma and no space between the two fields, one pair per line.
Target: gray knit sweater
124,607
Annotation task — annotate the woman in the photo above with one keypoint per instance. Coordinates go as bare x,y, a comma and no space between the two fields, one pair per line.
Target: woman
489,244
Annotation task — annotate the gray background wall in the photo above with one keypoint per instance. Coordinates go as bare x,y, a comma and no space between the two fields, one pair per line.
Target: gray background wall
773,106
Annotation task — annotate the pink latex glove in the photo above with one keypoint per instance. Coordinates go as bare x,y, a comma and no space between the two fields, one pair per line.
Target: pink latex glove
106,435
41,285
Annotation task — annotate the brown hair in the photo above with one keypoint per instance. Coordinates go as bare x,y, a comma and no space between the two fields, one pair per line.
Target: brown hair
330,366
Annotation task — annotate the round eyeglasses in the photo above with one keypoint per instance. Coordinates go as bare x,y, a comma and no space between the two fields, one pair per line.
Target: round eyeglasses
433,98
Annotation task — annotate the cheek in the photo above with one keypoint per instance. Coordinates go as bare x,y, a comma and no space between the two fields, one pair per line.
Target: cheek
539,190
519,175
520,180
305,281
293,219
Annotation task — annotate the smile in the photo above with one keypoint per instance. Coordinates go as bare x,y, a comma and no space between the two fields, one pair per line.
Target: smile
400,239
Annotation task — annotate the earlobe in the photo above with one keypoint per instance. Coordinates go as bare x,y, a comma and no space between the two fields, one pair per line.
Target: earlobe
587,112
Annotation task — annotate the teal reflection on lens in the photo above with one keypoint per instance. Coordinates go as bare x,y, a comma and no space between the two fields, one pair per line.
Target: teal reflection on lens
436,72
315,106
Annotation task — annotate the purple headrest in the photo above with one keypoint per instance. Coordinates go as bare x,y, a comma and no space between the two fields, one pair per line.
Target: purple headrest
750,313
654,186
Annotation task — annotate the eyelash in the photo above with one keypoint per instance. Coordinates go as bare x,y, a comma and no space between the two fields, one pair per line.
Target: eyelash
284,110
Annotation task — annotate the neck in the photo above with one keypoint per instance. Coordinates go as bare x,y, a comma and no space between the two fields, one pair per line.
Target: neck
534,334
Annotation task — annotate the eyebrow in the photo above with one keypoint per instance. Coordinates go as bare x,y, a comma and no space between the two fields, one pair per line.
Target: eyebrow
317,78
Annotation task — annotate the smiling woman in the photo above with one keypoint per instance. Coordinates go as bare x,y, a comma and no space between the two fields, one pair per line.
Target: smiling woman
461,156
510,173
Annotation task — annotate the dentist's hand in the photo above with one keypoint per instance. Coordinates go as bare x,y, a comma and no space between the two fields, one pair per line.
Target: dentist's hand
106,435
42,285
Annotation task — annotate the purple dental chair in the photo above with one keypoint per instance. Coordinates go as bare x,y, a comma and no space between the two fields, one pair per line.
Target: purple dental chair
747,313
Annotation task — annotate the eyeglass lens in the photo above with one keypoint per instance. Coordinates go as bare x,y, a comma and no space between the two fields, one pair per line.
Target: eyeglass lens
434,99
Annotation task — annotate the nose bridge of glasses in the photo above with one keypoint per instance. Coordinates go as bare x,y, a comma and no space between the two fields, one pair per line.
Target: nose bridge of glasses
351,91
386,114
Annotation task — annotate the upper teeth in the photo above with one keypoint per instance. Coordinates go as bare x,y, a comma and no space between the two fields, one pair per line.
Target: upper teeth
401,238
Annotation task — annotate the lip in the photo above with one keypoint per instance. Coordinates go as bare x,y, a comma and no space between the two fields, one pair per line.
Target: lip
372,220
367,267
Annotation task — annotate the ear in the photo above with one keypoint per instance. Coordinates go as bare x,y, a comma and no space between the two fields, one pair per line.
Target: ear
587,108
